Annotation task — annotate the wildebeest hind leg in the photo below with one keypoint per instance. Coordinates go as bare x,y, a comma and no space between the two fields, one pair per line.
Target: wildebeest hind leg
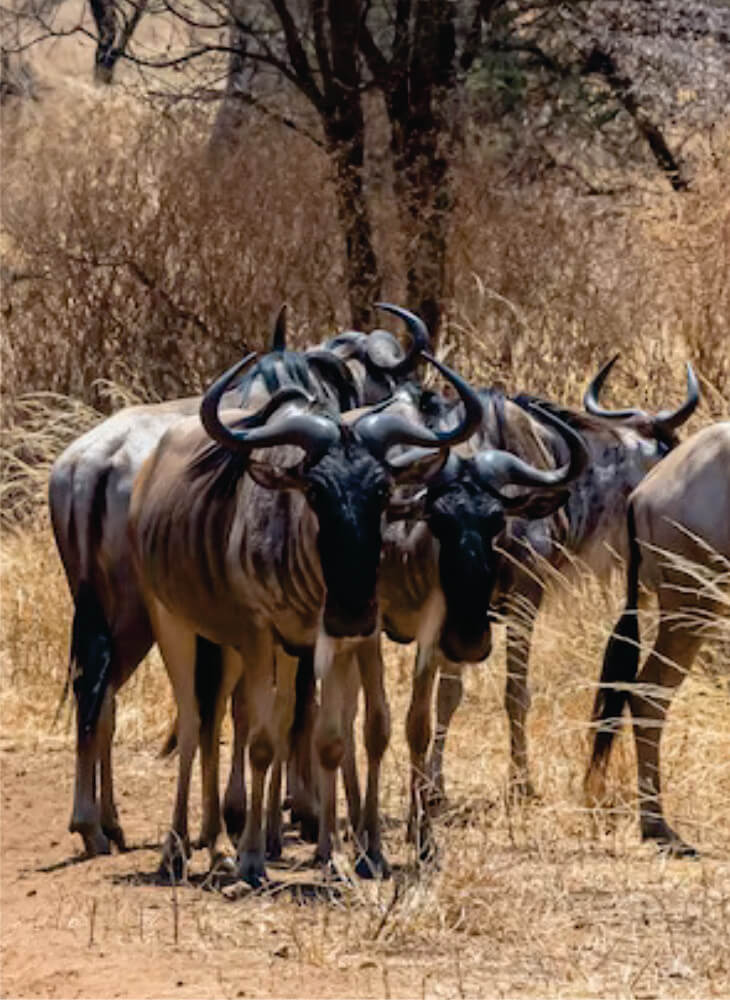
105,728
448,698
85,816
665,669
419,731
234,800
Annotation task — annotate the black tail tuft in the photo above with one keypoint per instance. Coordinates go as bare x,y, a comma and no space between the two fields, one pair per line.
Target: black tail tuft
91,657
208,678
620,661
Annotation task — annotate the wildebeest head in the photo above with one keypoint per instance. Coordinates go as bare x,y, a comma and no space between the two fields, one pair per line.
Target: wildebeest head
659,430
466,511
347,480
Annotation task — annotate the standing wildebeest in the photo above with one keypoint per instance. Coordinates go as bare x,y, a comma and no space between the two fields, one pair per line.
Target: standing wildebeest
89,491
679,547
623,446
252,554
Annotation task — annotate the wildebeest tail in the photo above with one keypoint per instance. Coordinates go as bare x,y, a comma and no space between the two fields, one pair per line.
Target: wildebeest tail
91,657
208,679
620,661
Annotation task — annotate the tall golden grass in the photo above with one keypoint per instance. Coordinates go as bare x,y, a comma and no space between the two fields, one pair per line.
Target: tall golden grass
131,261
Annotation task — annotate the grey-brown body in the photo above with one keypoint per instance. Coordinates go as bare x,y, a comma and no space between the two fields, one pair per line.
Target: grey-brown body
678,531
588,531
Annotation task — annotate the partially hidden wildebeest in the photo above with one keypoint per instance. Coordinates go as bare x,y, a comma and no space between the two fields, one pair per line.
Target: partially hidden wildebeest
678,528
89,492
433,572
623,445
252,553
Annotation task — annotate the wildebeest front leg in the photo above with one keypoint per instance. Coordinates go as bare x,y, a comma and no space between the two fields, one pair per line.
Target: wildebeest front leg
258,657
665,669
448,698
376,734
330,745
178,648
284,703
419,731
234,800
517,690
349,762
225,667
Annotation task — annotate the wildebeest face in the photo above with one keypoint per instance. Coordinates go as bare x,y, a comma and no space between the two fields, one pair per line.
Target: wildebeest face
465,520
348,490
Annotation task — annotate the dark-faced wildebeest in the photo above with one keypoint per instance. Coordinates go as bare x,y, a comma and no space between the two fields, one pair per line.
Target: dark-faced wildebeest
252,554
89,492
678,528
623,446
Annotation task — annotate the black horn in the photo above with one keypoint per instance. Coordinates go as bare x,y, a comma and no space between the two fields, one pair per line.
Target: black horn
670,420
419,343
496,469
381,431
278,337
309,431
590,397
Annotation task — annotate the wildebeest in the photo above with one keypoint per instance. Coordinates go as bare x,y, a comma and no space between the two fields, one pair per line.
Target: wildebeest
89,491
252,554
623,446
678,529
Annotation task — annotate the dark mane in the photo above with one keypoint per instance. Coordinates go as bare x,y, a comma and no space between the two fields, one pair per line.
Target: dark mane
577,419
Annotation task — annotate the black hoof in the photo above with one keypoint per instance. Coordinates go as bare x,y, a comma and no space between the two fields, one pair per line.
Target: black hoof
372,865
173,869
116,835
273,848
675,847
252,870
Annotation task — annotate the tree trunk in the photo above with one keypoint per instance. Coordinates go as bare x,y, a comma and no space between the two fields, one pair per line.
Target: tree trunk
417,103
344,127
229,120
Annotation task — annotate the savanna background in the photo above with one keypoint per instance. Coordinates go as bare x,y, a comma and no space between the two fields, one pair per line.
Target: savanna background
160,199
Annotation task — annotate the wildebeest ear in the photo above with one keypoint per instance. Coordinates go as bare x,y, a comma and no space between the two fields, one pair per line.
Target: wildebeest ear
540,505
271,477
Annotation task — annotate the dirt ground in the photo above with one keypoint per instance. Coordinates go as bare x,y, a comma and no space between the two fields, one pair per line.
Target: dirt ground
525,902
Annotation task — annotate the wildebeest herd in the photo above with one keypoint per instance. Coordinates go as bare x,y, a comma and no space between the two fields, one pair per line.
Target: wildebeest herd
266,536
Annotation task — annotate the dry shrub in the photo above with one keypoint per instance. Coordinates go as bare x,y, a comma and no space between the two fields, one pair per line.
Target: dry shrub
137,252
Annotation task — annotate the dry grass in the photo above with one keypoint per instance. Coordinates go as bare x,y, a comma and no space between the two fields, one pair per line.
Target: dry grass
148,270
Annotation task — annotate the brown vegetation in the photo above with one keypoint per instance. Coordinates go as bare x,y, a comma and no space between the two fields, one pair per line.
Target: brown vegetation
126,258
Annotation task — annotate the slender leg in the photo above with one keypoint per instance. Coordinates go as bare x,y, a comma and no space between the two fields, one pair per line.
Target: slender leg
234,801
284,704
376,731
349,762
85,816
517,692
178,647
224,668
302,765
259,675
105,728
665,669
330,745
419,732
448,699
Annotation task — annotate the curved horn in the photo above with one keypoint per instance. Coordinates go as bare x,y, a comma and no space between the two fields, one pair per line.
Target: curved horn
590,397
381,431
670,420
306,430
278,337
283,395
419,342
496,469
